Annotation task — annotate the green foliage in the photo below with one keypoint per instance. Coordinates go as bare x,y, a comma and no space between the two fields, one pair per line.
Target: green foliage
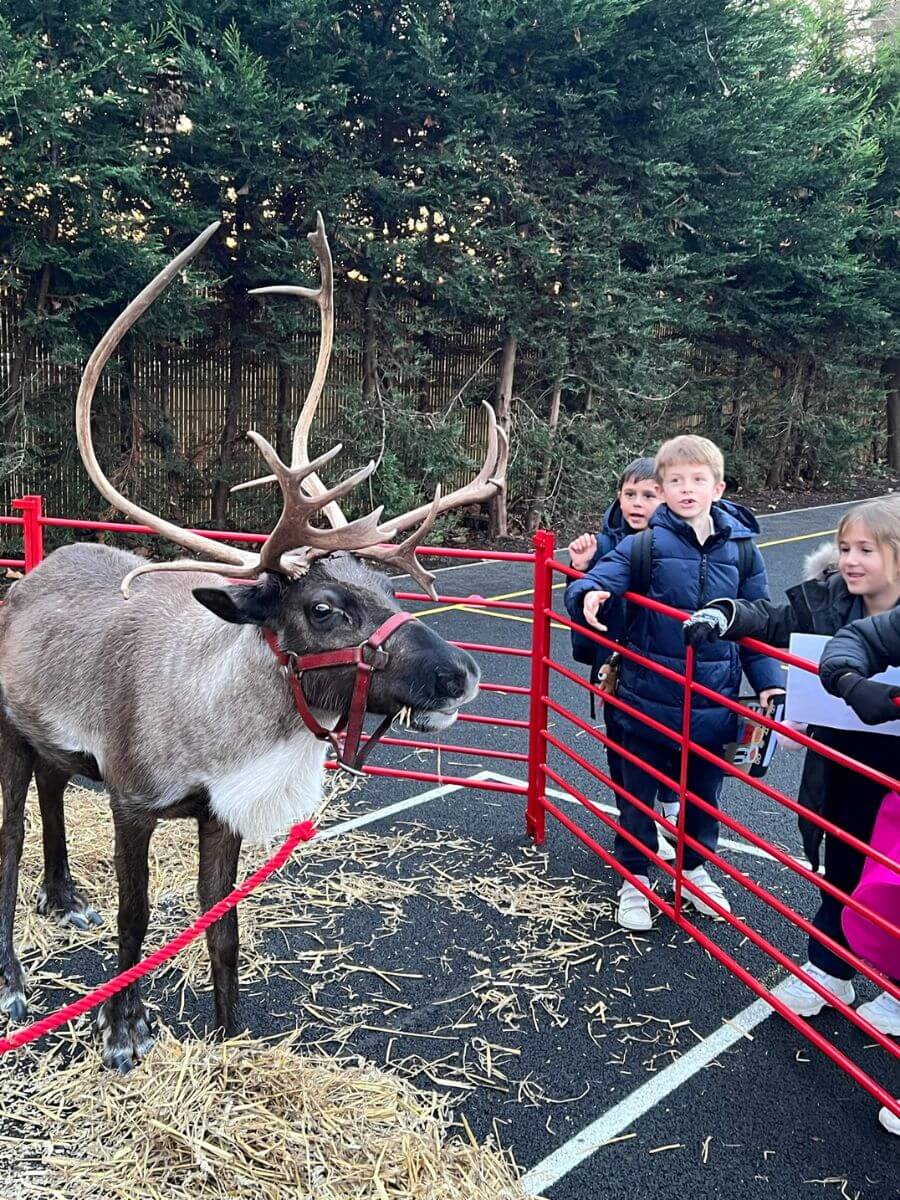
684,212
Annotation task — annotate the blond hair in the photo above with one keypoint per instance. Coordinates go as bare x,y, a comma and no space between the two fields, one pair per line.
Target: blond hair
690,448
881,519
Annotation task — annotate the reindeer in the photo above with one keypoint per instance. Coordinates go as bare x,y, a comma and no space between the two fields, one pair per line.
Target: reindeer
214,703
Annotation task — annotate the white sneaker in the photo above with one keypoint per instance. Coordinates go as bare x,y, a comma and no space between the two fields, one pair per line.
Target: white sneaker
634,907
664,849
884,1013
802,1000
700,877
671,811
889,1121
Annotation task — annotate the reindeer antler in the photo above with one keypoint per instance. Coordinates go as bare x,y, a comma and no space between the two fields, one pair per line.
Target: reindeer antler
293,528
295,541
487,483
323,298
237,560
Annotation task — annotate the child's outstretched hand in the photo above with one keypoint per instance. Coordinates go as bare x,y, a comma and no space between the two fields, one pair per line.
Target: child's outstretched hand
593,602
705,625
582,550
872,701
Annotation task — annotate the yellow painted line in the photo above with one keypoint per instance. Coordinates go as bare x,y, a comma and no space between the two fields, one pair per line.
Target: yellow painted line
464,601
802,537
490,612
503,616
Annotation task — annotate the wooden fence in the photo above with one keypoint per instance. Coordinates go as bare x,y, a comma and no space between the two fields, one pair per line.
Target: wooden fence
158,418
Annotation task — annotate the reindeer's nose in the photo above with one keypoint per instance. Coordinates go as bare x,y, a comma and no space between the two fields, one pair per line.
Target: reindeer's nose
452,680
458,681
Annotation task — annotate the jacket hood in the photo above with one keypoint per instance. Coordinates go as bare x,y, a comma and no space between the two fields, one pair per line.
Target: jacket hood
613,521
822,562
739,521
743,521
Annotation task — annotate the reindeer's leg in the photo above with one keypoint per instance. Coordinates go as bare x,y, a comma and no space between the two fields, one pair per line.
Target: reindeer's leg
123,1020
58,896
16,765
219,851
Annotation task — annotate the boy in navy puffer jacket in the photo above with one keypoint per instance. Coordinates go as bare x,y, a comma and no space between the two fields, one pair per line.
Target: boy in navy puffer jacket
694,559
638,496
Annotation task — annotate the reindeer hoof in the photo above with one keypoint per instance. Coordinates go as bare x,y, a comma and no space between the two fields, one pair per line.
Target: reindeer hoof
126,1040
14,1005
81,919
119,1060
69,907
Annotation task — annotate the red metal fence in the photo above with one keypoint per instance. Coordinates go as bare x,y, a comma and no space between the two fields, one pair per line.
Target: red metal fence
541,744
543,667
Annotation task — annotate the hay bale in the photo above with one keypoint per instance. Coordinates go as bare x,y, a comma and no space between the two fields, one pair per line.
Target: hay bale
206,1121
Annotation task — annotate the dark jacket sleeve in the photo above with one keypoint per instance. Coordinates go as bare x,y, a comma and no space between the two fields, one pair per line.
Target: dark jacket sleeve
583,649
604,545
761,619
866,647
762,671
610,574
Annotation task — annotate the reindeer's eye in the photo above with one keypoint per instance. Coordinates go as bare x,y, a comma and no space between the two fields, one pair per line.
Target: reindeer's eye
321,610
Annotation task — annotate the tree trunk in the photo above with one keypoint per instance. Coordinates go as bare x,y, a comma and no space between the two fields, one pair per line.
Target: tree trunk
498,525
237,306
129,434
890,373
536,510
35,298
737,435
370,352
802,378
168,437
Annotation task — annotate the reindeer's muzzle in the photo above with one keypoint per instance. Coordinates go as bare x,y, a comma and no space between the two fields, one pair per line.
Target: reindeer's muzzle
452,682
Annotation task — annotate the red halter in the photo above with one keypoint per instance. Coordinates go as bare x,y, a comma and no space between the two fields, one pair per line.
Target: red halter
345,744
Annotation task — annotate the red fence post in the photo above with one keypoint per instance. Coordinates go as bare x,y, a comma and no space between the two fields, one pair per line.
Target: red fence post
535,816
32,508
686,710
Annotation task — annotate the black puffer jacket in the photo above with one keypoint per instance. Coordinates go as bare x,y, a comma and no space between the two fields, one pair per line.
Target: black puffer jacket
866,647
820,604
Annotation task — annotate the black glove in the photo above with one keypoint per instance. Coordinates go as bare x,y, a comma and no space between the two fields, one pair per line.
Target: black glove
872,702
705,625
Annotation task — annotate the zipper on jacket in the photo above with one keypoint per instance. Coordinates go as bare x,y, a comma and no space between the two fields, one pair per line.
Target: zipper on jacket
704,562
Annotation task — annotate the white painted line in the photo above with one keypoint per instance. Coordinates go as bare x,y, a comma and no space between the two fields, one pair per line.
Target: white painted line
624,1114
789,512
475,562
740,847
378,814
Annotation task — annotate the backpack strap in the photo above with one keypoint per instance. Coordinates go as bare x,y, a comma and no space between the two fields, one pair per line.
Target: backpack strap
641,561
745,559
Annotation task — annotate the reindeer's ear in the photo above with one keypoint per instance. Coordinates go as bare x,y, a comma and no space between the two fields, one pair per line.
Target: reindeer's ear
242,604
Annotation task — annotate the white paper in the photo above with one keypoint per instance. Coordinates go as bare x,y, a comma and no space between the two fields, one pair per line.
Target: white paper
809,703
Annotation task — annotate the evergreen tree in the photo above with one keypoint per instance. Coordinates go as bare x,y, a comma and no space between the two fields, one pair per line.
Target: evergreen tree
74,199
672,213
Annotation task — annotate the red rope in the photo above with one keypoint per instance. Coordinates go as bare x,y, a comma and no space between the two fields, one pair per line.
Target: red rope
303,832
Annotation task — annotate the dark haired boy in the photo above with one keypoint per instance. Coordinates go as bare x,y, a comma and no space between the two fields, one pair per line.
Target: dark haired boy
638,495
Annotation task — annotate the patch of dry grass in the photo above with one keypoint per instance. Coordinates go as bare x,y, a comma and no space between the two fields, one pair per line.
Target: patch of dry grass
209,1121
